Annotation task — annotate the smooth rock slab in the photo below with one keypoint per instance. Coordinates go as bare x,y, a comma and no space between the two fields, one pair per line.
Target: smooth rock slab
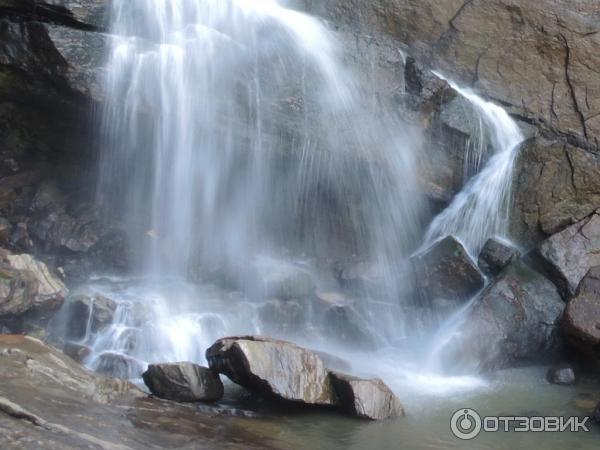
495,256
183,382
367,399
273,368
445,271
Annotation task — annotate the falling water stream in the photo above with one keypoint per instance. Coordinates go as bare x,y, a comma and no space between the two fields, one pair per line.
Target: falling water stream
244,158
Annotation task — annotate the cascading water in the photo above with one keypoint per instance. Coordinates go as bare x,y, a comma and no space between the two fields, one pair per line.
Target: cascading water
482,209
239,146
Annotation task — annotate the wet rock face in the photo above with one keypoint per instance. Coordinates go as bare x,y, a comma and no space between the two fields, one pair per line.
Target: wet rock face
445,271
183,382
273,368
367,399
515,51
514,319
95,311
495,256
570,254
556,185
581,323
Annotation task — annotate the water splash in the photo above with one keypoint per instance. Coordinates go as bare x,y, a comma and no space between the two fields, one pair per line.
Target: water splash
482,209
237,135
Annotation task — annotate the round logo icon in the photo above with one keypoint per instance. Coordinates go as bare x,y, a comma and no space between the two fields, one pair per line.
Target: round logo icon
465,424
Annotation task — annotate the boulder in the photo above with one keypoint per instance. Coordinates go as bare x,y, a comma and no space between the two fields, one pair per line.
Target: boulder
30,294
367,399
581,324
445,271
513,320
118,365
183,382
496,255
93,311
273,368
570,254
49,401
564,375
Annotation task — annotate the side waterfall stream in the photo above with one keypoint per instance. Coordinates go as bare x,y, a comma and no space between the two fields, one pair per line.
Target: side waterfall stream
244,158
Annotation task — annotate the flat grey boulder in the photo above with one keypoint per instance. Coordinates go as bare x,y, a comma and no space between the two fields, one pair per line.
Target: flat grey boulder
366,399
273,368
446,271
570,254
496,255
183,382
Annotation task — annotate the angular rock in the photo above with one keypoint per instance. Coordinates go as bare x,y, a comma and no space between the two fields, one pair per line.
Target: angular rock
581,323
118,365
183,382
273,368
94,311
561,375
367,399
570,254
445,271
515,319
495,256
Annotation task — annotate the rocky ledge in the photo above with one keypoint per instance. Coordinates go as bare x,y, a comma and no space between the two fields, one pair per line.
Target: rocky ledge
73,408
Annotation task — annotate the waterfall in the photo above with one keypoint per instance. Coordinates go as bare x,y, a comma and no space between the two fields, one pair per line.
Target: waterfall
238,142
203,167
482,209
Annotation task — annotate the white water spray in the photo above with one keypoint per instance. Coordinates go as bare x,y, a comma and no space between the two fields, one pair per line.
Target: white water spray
237,137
